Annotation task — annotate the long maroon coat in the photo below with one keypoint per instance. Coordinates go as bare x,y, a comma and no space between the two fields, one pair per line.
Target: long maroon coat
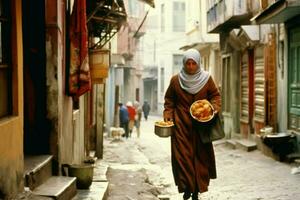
193,163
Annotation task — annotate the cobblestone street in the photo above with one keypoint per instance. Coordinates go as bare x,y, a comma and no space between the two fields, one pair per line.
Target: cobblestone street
139,168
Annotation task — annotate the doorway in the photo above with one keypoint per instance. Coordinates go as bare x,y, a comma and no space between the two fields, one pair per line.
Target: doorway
294,79
36,125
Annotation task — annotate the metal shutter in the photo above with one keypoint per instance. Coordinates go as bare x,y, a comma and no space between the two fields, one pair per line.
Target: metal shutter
259,83
244,89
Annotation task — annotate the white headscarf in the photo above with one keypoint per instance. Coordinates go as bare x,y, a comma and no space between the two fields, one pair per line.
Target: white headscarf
129,103
193,83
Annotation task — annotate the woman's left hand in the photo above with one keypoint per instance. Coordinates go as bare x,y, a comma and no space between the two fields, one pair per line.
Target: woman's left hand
168,119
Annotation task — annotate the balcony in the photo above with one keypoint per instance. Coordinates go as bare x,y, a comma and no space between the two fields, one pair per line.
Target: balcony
279,11
225,15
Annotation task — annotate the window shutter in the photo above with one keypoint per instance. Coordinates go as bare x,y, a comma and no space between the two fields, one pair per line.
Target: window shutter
259,85
244,89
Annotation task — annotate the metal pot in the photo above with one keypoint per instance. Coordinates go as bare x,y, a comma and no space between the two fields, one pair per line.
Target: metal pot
278,138
163,131
83,173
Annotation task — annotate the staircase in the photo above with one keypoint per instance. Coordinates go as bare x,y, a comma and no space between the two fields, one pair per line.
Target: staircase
39,179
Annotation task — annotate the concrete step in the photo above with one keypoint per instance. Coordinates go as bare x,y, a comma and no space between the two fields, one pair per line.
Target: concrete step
57,187
100,171
246,145
231,143
97,191
37,169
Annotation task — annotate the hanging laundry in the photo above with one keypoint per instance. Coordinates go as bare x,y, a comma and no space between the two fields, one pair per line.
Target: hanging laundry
79,72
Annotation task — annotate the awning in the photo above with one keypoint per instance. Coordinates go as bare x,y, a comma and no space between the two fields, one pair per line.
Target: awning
149,2
197,45
251,32
278,12
248,36
138,34
105,18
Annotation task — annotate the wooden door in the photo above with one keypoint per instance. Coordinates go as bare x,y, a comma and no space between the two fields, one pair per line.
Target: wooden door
270,76
247,76
244,89
294,80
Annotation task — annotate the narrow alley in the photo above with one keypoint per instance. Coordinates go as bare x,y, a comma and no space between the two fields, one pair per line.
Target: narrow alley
139,168
71,71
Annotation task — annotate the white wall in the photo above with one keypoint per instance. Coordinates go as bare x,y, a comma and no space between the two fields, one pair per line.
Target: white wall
282,83
159,47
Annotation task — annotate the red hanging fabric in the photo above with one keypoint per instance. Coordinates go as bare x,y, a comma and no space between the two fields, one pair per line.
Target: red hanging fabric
79,74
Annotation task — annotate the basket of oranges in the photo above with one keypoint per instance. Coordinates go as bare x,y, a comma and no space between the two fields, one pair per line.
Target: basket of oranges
163,129
202,111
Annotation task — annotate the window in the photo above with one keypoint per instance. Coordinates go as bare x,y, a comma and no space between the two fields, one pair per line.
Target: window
226,83
162,18
5,67
178,16
177,63
205,62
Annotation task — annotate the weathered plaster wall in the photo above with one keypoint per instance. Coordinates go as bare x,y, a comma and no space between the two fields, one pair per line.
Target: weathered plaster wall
282,80
11,129
59,106
235,90
100,110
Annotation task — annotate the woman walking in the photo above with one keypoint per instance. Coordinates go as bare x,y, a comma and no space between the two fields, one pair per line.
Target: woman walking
193,162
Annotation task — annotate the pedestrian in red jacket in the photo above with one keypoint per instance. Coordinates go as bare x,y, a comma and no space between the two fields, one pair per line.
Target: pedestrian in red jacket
131,112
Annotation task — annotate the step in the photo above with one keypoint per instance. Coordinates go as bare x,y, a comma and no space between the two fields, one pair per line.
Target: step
27,194
99,185
37,169
57,187
246,145
231,143
97,191
100,172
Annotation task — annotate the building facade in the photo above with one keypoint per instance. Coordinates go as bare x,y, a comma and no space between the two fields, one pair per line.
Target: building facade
284,15
162,55
39,117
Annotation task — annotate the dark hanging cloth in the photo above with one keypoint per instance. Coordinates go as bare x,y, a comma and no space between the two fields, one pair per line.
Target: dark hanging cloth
79,73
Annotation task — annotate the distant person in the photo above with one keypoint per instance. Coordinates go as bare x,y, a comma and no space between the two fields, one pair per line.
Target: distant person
146,109
131,113
124,118
138,117
193,162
